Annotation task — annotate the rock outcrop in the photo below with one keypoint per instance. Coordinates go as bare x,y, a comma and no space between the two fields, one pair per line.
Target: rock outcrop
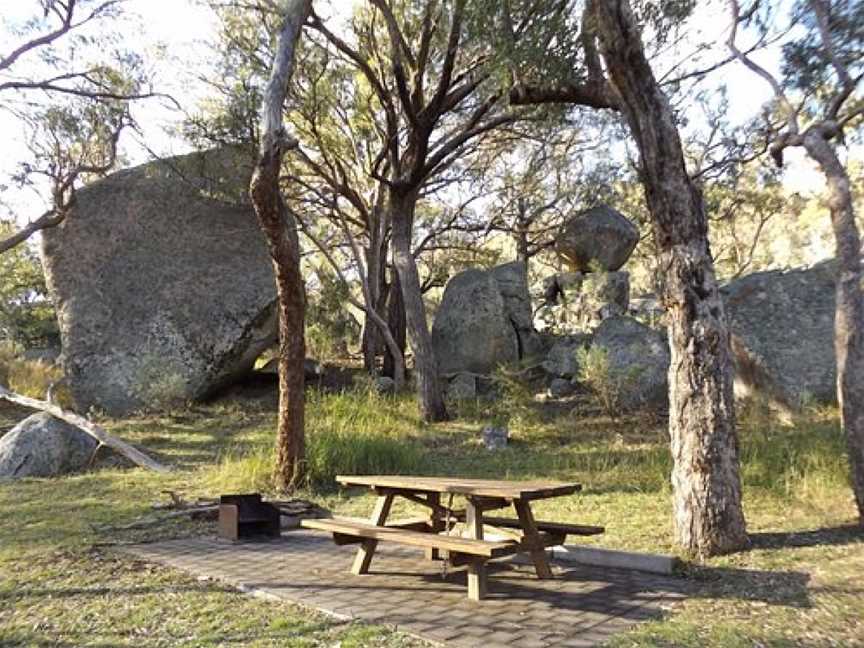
162,282
598,239
782,324
484,321
638,360
560,361
43,446
578,302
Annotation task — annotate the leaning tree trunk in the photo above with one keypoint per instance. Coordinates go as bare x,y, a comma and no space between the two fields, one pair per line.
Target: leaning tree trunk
425,364
849,314
396,324
708,516
280,229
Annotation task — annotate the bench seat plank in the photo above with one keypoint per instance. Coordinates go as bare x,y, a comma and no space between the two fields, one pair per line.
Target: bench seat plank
551,527
482,548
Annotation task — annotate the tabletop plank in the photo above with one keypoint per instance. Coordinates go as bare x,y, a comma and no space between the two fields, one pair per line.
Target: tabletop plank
522,490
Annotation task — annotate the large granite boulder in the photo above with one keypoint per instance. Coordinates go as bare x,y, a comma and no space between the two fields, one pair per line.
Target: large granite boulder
43,446
638,362
484,321
162,282
782,324
512,280
599,238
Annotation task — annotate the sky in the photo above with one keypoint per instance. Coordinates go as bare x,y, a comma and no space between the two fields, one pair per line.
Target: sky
179,29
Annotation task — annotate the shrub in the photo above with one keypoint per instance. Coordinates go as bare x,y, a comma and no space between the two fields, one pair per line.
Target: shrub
606,383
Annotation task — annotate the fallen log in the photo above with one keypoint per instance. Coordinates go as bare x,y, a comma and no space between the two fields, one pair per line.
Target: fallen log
97,432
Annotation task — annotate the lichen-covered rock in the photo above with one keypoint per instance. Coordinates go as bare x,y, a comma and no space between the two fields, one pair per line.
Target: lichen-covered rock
385,385
495,437
599,238
484,321
638,360
462,386
162,282
782,324
561,359
512,280
43,446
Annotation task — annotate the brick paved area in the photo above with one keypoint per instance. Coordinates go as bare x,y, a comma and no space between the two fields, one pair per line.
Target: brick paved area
582,606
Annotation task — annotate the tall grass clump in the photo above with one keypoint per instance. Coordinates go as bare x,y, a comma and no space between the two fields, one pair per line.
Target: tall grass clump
31,378
807,460
354,432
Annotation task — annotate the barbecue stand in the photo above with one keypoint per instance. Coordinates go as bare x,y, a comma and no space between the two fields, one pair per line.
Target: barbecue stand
244,517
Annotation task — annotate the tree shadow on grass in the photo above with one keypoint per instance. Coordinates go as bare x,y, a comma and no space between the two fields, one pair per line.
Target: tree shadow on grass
784,588
826,536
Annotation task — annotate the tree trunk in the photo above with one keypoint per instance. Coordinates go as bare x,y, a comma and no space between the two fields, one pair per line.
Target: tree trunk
372,342
708,516
396,324
849,314
425,364
280,229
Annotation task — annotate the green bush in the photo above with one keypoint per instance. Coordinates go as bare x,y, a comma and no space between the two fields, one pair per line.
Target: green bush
606,383
26,314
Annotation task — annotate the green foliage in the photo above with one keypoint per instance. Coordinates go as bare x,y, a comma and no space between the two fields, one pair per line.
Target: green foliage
806,63
356,431
329,326
607,383
26,315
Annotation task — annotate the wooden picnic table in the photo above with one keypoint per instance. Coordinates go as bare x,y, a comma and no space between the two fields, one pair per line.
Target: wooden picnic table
432,532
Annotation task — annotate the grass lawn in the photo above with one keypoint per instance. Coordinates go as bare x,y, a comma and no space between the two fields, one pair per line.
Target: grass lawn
802,583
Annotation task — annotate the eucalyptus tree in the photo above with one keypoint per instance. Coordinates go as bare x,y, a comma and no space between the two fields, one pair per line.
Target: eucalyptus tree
609,69
437,97
817,101
67,82
280,229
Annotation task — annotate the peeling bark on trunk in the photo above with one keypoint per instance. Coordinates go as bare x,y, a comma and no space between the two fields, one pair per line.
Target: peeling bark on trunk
280,229
429,390
708,517
849,314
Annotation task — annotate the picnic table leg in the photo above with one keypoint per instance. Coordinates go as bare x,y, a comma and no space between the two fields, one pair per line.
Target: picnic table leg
477,567
367,548
436,524
531,539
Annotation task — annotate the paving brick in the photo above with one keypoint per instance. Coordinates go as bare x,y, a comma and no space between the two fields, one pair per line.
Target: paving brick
582,606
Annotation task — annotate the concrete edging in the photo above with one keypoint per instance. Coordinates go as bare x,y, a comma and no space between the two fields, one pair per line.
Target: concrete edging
613,558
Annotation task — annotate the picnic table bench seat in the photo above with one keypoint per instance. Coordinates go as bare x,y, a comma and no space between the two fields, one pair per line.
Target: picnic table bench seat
550,527
397,533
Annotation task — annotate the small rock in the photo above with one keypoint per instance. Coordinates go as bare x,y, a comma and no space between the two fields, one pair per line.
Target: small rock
495,438
385,385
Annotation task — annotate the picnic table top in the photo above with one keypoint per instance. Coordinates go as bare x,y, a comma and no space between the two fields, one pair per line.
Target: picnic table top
525,490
